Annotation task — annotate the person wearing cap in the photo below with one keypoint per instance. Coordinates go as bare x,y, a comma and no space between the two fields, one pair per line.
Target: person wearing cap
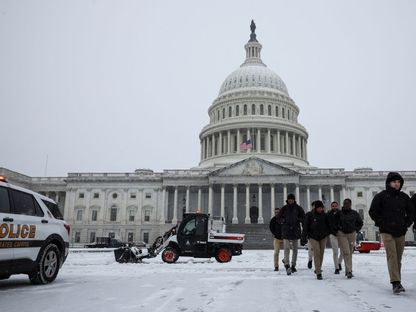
347,223
336,253
308,245
316,228
393,212
292,216
276,229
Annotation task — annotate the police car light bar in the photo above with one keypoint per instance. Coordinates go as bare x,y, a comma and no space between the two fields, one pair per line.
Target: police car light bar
3,178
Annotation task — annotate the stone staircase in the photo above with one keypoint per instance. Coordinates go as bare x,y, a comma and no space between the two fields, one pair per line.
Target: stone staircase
258,236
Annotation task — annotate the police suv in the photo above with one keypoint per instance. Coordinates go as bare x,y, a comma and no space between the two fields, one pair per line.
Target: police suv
33,235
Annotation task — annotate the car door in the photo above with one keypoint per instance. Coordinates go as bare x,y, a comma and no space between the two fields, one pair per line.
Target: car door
6,219
30,225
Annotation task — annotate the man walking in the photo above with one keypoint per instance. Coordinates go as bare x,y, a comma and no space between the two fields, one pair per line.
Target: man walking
292,216
392,211
348,223
337,256
276,229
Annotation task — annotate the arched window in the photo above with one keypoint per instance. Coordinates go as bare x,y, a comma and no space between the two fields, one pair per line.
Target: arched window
218,114
223,113
283,112
237,110
269,110
245,109
229,111
261,109
253,109
277,111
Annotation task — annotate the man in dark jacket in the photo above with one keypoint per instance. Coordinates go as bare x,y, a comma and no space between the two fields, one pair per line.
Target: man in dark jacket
316,228
336,253
413,199
392,211
292,216
276,229
347,223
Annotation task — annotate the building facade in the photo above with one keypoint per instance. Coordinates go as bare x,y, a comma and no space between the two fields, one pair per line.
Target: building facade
253,153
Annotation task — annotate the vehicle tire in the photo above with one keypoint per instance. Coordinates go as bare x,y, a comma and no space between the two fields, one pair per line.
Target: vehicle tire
223,255
170,255
48,266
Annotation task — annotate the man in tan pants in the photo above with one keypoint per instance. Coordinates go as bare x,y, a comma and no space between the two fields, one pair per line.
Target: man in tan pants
336,254
393,212
348,222
276,229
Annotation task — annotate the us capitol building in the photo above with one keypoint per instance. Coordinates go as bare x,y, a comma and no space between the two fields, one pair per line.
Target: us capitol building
253,153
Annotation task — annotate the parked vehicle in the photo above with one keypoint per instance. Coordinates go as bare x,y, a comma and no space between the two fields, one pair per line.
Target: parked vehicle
105,242
33,236
366,246
197,236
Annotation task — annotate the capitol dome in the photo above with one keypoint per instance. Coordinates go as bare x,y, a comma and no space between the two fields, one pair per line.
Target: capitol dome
253,76
253,115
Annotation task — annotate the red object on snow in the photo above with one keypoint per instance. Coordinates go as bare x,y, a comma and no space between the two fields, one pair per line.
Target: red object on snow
366,246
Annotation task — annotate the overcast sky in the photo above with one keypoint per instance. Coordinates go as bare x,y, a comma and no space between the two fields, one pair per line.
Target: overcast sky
112,86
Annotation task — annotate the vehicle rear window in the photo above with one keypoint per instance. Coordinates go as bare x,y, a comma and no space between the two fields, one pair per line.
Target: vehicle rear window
4,200
54,209
24,203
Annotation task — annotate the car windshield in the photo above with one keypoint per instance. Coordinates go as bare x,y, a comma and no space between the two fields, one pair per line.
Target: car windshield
54,209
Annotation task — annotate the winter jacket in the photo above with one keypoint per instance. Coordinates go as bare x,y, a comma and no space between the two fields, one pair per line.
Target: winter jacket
348,221
315,226
292,216
333,215
391,209
413,200
276,227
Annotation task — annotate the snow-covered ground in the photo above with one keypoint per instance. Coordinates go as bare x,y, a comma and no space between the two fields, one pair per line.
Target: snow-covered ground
95,282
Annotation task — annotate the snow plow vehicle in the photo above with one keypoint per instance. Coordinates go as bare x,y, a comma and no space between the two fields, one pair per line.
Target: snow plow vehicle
366,246
198,236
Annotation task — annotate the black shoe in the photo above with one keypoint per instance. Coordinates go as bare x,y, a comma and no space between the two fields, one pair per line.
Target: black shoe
340,267
319,276
396,287
349,275
310,264
288,270
336,271
401,288
276,268
293,269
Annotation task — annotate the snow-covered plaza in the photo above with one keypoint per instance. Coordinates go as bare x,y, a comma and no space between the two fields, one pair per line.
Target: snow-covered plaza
93,281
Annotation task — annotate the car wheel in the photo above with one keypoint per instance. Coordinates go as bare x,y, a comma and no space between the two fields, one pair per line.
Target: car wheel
223,255
170,255
48,266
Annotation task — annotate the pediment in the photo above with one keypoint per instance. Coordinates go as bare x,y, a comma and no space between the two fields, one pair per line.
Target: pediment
254,166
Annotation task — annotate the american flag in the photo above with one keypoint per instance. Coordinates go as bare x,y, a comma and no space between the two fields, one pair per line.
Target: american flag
246,145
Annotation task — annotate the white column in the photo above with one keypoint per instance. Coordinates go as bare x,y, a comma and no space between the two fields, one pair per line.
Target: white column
202,150
229,142
258,141
344,195
308,197
272,199
260,220
320,193
175,206
248,137
238,141
235,218
297,194
284,194
287,143
213,145
306,152
222,201
269,141
220,145
247,219
187,200
294,144
199,199
210,200
331,196
278,142
162,210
